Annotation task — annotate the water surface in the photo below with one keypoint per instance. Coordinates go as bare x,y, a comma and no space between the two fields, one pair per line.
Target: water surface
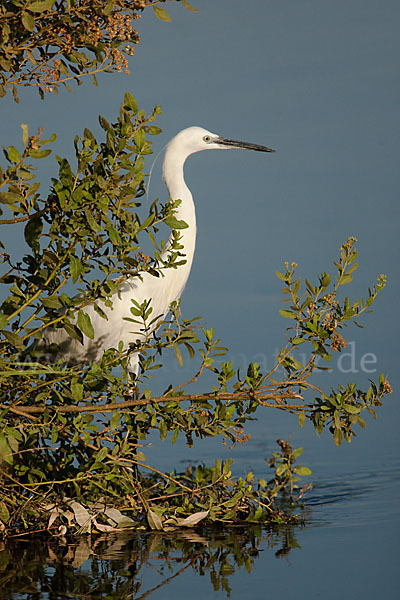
348,546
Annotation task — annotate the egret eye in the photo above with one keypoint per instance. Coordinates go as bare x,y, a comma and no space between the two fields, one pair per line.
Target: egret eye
206,138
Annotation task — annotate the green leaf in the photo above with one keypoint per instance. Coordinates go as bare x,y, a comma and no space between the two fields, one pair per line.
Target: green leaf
175,223
178,355
296,453
75,268
100,312
287,313
100,456
28,21
77,390
153,130
73,331
149,221
32,232
85,324
3,321
9,197
104,123
39,153
4,513
107,10
297,341
325,279
163,430
13,154
175,436
280,275
338,436
352,268
189,7
25,133
281,469
38,7
299,470
51,302
310,286
114,235
50,258
140,137
161,13
14,339
353,410
54,434
5,451
50,139
89,135
115,421
302,418
131,102
32,188
346,279
92,222
361,421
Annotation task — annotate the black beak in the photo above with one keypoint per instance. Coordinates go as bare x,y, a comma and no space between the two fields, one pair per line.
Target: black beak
243,145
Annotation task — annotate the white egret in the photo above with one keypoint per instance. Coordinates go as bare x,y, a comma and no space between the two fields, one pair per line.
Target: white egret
161,290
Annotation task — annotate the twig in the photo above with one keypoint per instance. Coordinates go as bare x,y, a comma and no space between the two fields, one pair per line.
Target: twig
22,219
164,475
17,411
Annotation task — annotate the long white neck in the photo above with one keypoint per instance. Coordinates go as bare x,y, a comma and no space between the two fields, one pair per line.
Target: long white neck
178,190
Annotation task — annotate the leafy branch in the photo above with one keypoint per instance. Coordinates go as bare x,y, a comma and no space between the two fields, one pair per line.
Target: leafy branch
48,43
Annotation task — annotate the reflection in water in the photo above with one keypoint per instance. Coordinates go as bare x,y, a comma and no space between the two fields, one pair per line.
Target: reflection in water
204,562
131,566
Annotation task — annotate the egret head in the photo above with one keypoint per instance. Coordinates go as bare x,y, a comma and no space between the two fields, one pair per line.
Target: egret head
195,139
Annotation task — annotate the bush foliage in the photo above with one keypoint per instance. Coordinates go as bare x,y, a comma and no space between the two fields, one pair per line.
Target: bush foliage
72,437
51,43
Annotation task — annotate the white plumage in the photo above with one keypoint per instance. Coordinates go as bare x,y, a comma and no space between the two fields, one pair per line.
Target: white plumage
161,290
